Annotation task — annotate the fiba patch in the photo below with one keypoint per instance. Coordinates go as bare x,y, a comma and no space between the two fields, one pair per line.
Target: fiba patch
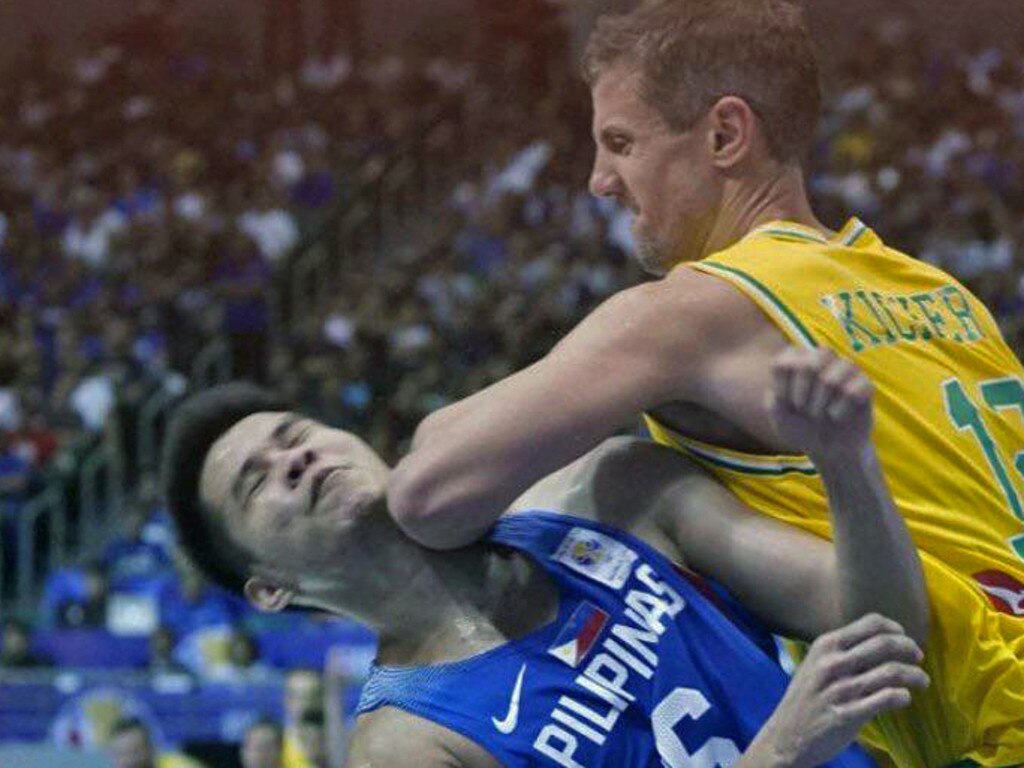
1004,592
596,556
579,634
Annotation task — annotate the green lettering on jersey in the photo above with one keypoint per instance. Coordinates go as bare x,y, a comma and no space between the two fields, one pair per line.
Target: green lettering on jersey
841,307
866,301
884,302
872,318
926,335
924,302
960,308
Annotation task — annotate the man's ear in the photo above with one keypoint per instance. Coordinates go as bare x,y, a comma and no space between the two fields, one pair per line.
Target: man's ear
733,130
265,595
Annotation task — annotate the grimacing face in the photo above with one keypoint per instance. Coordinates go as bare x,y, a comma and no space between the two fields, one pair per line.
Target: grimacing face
290,490
665,177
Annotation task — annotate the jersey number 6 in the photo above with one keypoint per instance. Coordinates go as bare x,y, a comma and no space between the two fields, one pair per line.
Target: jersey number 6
681,703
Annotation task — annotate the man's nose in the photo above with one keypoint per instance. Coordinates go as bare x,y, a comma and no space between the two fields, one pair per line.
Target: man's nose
603,182
298,461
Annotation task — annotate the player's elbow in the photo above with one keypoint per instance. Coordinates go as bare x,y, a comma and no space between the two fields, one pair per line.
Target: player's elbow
419,501
411,499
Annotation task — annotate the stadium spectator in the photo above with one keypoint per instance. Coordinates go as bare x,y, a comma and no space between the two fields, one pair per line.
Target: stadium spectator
271,227
161,654
303,697
242,664
90,235
131,746
14,652
188,603
241,277
311,738
133,564
86,609
262,745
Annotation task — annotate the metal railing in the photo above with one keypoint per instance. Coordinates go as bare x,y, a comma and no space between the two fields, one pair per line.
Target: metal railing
98,487
73,513
212,365
96,490
49,507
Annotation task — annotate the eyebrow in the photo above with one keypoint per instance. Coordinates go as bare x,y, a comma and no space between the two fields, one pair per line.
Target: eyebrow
254,463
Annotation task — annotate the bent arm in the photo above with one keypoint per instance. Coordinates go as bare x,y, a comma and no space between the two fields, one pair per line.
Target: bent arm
795,581
799,584
469,461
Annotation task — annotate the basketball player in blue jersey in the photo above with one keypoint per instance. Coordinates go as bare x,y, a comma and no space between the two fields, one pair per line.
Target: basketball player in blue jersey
569,635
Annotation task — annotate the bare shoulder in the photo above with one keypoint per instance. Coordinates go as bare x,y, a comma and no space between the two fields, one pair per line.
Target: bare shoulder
392,738
713,300
670,329
620,483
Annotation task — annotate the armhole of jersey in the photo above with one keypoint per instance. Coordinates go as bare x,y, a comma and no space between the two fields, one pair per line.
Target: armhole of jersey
411,710
780,315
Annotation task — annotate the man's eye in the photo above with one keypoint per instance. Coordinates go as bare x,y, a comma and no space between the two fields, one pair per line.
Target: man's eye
299,437
262,478
618,145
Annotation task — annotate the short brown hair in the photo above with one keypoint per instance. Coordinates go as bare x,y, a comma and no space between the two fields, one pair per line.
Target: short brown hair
691,53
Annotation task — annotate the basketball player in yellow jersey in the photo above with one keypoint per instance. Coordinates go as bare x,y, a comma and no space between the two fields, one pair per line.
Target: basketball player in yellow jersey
702,112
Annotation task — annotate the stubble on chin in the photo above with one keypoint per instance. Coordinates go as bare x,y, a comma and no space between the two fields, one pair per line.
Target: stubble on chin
652,256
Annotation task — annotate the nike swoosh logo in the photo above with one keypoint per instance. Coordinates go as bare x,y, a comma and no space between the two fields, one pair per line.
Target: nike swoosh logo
511,720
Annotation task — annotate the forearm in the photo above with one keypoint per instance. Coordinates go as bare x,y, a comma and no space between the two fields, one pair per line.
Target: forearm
465,471
877,566
472,460
762,754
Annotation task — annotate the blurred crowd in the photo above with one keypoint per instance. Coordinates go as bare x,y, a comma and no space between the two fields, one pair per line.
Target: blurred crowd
146,204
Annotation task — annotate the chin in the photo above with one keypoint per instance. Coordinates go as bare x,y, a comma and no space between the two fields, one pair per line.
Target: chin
360,502
652,257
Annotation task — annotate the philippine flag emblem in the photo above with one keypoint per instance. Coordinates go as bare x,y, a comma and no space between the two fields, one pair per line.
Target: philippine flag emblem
579,634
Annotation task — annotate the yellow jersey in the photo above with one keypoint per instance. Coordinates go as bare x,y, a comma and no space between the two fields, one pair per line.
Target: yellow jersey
949,428
292,753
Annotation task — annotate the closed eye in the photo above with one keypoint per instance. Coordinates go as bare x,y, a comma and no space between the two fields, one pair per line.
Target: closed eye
261,479
298,437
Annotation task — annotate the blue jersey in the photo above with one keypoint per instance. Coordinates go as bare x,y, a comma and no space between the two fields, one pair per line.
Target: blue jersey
640,668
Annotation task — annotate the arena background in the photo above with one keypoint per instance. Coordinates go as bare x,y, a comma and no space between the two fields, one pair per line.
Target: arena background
376,211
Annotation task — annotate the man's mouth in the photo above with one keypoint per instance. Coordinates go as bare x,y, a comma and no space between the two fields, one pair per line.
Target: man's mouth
318,484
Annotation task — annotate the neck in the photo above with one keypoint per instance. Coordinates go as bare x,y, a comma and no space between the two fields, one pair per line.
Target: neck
422,603
779,195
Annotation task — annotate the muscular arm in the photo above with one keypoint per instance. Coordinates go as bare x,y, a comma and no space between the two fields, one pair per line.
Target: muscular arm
657,343
799,584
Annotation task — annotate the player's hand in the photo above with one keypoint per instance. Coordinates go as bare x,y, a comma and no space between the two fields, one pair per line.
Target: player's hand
821,404
850,676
